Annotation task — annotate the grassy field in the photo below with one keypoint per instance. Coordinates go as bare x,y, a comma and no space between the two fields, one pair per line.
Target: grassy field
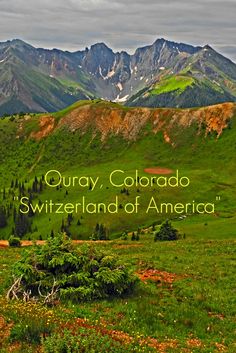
185,301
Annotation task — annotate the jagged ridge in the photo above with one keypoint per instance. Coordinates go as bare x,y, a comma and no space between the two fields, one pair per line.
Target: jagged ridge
39,80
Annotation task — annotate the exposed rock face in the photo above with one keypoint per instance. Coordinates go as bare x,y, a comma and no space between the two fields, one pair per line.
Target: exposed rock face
46,124
107,121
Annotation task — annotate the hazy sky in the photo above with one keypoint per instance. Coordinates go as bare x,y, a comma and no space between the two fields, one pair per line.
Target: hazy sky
123,24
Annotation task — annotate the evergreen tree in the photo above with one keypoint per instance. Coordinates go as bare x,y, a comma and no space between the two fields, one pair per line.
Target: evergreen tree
133,237
62,226
22,225
101,232
3,218
69,219
40,185
166,232
31,212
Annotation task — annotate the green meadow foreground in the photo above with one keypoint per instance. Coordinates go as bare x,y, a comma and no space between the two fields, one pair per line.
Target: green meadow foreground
184,302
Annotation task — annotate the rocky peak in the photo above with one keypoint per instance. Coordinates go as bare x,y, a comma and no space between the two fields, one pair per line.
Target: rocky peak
98,60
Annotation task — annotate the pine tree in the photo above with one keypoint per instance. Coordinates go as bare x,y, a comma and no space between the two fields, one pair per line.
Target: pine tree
62,226
133,237
3,218
40,185
166,232
22,225
69,219
31,212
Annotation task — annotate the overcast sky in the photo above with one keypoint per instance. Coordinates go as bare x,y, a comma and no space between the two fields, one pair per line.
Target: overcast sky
123,24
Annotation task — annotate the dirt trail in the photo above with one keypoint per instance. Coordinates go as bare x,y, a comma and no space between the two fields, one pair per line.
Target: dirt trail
40,155
4,243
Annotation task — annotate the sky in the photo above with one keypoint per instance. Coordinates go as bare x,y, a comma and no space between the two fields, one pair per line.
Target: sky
122,25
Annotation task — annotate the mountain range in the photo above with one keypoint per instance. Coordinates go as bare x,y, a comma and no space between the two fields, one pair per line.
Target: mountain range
164,74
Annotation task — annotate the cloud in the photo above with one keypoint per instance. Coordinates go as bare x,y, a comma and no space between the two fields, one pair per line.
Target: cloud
74,24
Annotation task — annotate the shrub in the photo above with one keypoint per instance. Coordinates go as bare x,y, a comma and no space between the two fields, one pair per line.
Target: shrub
59,270
167,232
124,236
14,241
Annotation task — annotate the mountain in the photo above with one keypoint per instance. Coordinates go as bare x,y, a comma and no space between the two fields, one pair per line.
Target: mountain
202,78
95,138
28,83
162,74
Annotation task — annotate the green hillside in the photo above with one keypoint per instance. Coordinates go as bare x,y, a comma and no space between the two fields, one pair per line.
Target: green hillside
174,83
79,142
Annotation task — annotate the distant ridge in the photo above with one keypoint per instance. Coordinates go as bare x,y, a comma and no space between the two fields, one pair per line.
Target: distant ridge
164,74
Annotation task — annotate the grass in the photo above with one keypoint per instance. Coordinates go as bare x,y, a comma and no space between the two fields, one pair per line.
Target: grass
173,83
197,310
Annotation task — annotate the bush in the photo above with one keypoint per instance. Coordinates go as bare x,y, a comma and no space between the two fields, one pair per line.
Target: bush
59,270
167,232
14,241
124,236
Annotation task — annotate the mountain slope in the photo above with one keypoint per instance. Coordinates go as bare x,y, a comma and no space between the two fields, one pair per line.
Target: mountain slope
209,76
27,79
39,80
